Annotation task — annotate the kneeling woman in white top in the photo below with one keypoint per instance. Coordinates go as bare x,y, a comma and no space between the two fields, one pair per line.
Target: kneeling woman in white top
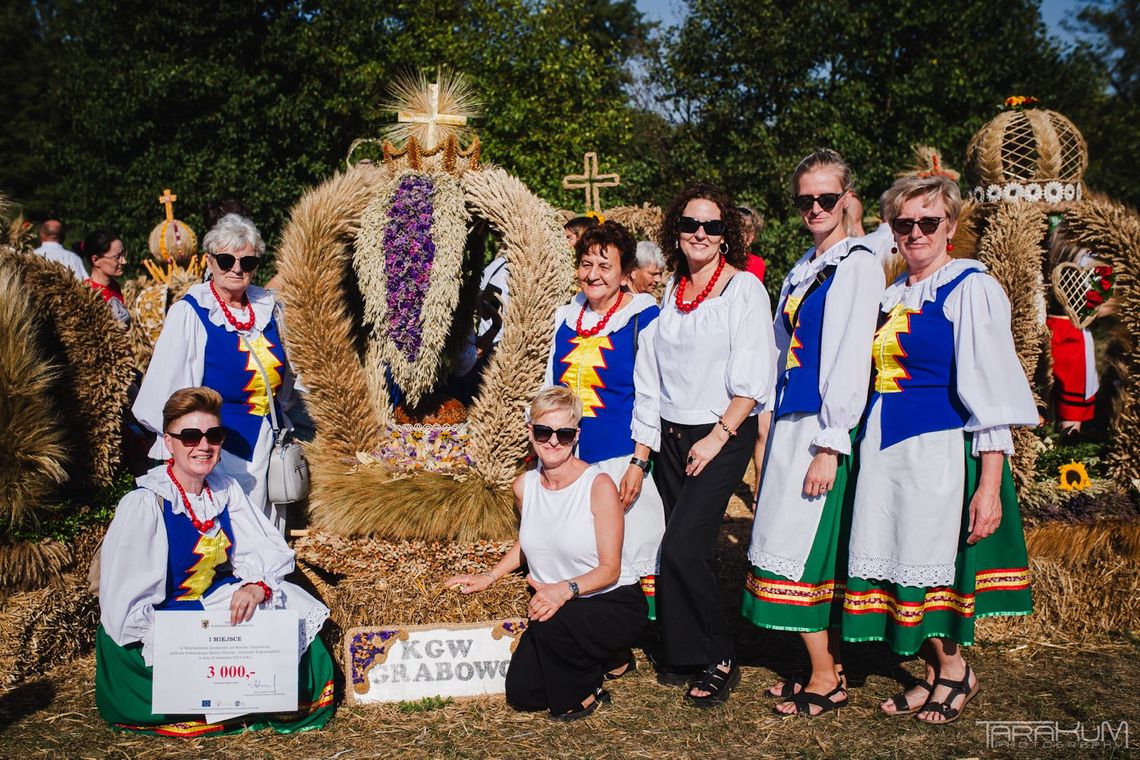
587,604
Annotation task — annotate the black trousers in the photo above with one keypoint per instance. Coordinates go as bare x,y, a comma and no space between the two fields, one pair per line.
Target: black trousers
693,628
559,662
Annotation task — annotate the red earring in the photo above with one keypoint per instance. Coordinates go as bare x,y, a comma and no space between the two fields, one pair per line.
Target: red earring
949,247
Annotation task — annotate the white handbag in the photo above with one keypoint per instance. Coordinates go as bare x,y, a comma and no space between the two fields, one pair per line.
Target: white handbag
288,478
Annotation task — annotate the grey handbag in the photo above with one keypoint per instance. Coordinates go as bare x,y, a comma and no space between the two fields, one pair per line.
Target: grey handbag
288,479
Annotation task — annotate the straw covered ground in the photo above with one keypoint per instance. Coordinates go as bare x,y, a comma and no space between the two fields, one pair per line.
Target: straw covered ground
1073,662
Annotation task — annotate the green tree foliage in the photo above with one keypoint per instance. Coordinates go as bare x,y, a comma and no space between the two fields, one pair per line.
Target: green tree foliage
1110,119
757,84
260,98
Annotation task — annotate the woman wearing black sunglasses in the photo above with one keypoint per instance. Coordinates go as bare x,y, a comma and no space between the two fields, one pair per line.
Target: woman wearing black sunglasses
225,334
188,539
592,352
587,604
709,356
824,325
936,539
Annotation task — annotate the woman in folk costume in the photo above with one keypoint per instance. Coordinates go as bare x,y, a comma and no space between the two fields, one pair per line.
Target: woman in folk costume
824,326
592,352
226,334
936,539
188,539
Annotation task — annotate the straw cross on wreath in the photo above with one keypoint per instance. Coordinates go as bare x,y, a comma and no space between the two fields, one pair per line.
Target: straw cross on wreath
432,117
167,199
589,180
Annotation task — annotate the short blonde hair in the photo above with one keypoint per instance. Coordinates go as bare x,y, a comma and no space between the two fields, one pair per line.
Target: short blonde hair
188,401
556,398
930,187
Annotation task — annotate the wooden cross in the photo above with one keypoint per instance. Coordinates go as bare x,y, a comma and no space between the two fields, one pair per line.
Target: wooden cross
589,180
433,118
167,199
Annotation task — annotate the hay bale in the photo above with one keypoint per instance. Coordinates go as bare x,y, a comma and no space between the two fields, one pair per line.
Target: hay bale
374,582
1073,601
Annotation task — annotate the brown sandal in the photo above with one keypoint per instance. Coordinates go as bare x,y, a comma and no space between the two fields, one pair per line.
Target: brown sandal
944,709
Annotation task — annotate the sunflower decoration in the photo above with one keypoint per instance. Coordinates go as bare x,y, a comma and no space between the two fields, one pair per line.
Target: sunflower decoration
597,216
1073,477
1019,103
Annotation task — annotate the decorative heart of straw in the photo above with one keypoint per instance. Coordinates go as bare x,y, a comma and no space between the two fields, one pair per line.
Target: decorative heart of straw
1071,283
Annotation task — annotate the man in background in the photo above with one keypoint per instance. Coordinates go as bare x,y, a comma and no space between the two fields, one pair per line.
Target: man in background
51,248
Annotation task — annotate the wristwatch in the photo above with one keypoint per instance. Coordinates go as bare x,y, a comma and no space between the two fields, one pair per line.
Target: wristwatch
642,463
573,589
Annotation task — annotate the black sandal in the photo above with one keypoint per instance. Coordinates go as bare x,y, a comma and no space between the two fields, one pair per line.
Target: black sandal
718,683
788,690
600,695
804,699
900,703
629,666
944,709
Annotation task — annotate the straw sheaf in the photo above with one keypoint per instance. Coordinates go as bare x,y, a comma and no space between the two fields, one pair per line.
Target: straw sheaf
27,565
315,262
42,629
540,272
352,499
449,233
1111,232
1103,540
643,221
1011,250
148,301
33,444
1026,146
95,359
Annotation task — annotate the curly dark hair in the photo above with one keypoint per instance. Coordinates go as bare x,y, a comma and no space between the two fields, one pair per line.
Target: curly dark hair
604,234
670,237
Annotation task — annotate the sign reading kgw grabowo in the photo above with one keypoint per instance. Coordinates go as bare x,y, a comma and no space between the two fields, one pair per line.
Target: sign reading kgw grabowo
411,662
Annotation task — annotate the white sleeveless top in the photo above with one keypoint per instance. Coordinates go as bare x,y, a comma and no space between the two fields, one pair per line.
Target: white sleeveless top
556,532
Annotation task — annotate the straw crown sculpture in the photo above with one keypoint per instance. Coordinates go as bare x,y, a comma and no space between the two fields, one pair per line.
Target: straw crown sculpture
171,240
1027,155
377,267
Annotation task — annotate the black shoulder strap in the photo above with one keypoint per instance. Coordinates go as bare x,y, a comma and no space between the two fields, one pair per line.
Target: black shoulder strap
823,276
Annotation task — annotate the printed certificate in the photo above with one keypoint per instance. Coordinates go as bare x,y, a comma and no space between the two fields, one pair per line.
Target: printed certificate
204,665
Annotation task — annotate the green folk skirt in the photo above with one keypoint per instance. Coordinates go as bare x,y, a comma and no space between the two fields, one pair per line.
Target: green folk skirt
991,578
815,601
123,696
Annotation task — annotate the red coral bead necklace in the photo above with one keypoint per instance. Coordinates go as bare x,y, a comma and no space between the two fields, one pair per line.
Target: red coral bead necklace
679,296
201,527
601,325
239,326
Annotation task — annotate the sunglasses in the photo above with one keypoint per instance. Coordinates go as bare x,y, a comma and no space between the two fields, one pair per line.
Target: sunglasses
226,261
928,224
565,436
191,437
689,225
826,201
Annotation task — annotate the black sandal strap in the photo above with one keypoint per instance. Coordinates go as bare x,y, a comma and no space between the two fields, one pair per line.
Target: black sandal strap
789,688
823,701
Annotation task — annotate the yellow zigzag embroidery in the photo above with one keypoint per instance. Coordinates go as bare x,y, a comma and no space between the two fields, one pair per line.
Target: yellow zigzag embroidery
212,550
888,350
581,373
258,394
791,306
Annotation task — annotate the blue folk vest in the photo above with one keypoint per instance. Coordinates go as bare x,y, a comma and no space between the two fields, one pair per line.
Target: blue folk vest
600,371
915,374
797,387
231,371
196,565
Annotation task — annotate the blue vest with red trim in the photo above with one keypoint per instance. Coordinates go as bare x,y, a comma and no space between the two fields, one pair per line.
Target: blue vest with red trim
600,371
797,389
196,565
231,371
915,375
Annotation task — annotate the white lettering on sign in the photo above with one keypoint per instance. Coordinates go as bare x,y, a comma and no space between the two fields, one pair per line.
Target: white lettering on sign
405,663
